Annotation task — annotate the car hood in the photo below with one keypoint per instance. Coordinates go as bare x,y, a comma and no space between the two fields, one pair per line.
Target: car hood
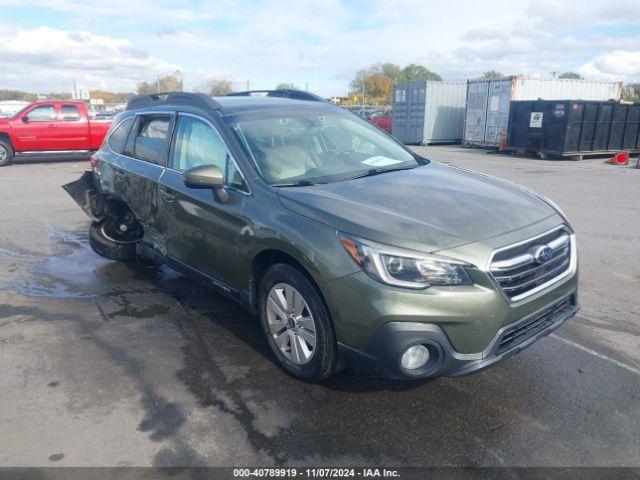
429,208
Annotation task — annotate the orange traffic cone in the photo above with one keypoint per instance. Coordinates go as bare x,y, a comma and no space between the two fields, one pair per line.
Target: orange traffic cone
621,158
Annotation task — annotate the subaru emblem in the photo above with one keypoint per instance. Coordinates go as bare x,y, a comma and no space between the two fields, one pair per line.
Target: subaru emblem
543,254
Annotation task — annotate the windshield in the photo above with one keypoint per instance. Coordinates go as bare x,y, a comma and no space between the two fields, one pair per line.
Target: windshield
315,146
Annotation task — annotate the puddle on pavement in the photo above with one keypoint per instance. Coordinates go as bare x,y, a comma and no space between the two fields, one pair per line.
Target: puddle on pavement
68,268
72,271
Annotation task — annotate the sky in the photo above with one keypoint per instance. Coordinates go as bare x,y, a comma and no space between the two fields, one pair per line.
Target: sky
46,45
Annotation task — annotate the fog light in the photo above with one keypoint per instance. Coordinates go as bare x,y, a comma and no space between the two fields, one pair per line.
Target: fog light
415,357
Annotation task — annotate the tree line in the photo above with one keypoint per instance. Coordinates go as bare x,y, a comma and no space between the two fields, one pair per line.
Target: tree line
374,82
106,96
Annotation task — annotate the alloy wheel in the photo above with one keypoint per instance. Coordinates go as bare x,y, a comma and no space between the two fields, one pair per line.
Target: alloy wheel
291,323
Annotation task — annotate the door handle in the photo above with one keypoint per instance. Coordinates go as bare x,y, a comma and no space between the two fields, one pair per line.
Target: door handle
53,125
167,196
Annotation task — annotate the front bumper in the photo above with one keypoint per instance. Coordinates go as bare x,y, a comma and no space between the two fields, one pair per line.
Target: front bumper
381,356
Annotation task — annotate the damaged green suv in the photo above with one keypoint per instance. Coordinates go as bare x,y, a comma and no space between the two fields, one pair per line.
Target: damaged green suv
349,248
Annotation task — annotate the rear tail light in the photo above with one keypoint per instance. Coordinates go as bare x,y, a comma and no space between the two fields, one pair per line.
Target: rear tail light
93,161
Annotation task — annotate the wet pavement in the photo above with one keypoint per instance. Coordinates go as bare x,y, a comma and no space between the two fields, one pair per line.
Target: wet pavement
107,364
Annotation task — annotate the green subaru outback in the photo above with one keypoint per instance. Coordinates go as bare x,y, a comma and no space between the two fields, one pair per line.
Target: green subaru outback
350,248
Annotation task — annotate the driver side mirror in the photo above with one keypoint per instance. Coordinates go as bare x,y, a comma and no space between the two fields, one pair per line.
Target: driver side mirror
25,118
207,176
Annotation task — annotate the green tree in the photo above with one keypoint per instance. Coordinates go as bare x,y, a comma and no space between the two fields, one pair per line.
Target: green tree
492,74
14,95
286,86
571,75
377,80
391,70
631,92
418,72
58,96
219,87
111,97
361,75
168,83
378,88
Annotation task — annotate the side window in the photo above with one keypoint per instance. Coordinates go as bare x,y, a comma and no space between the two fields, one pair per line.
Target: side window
150,138
233,177
70,113
119,136
42,113
197,144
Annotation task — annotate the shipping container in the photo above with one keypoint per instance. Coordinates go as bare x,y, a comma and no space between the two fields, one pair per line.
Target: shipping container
428,112
573,128
488,102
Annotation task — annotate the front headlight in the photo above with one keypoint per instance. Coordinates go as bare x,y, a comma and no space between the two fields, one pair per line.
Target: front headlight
405,268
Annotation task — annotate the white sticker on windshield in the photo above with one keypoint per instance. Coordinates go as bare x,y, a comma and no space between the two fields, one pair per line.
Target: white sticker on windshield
380,161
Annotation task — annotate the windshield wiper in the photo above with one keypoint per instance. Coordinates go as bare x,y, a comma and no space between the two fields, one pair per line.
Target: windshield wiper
379,170
298,183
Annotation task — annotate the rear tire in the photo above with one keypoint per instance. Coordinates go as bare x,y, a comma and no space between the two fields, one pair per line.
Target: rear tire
6,153
109,247
313,321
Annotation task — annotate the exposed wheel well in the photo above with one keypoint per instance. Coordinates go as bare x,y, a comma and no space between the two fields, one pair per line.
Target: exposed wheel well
118,214
266,259
6,138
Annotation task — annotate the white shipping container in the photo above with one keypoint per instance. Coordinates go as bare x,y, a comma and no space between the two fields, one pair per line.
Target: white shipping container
428,112
488,100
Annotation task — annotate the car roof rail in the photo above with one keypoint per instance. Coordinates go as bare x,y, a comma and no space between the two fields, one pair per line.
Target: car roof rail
165,98
281,93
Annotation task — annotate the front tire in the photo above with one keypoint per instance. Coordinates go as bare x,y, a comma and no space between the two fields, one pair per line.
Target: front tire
6,153
297,324
108,246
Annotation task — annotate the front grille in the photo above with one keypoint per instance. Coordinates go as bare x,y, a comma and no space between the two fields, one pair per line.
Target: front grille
523,331
518,271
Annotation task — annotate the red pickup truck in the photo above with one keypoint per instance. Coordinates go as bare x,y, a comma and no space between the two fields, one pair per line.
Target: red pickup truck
381,119
50,129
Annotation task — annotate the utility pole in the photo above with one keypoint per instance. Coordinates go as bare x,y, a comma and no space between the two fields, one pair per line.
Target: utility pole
363,94
158,84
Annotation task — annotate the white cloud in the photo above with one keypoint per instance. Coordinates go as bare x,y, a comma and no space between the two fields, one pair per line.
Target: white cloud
323,42
613,65
33,58
158,10
584,13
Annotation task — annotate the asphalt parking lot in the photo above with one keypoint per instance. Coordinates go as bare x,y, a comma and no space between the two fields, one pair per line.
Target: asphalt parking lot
106,364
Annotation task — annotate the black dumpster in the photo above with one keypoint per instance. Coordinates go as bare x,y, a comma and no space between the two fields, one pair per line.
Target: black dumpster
573,128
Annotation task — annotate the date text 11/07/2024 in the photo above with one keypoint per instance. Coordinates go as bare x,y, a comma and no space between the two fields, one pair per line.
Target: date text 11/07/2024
316,472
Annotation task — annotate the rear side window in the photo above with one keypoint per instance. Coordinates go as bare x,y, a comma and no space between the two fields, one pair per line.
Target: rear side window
70,113
149,140
118,137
